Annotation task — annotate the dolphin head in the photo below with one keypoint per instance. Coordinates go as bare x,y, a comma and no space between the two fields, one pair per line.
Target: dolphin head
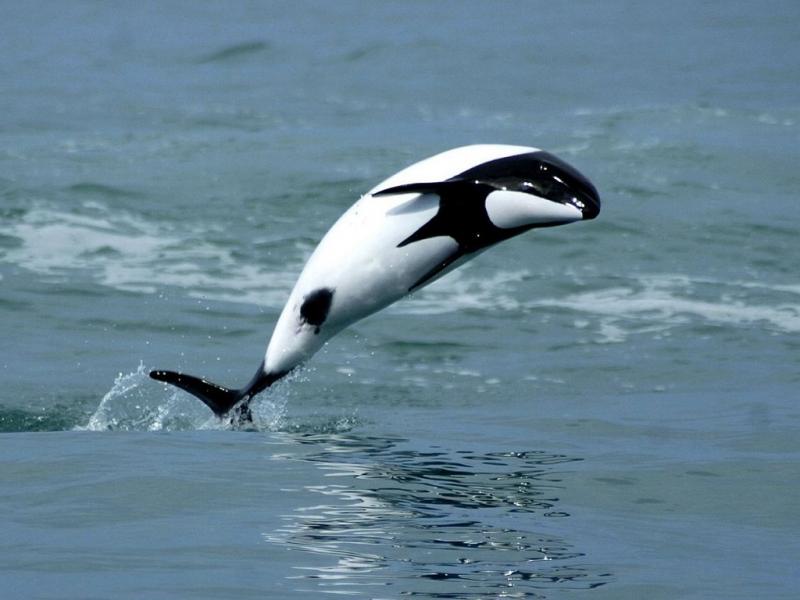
536,189
551,178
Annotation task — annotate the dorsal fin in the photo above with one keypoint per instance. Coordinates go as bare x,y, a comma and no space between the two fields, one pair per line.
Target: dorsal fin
433,187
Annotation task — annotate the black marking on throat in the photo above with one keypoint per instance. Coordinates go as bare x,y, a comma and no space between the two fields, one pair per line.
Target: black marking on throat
462,213
316,306
462,216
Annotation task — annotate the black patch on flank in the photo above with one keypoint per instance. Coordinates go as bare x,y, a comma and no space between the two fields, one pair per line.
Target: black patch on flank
316,306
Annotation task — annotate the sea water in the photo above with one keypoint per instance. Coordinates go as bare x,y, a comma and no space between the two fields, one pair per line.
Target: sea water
603,410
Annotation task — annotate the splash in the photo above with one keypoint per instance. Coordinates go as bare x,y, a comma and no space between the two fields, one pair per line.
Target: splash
136,403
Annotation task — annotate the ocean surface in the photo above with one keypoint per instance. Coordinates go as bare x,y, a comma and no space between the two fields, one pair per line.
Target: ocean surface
605,410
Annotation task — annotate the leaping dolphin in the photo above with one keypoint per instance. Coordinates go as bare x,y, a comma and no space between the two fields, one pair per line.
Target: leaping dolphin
403,234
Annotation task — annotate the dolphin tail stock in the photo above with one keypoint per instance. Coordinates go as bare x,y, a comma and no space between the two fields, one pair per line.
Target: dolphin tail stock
219,398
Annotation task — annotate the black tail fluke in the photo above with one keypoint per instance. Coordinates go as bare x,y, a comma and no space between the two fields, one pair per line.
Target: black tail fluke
219,399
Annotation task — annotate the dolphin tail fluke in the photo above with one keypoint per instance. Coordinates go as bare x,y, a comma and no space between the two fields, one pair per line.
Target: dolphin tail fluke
219,399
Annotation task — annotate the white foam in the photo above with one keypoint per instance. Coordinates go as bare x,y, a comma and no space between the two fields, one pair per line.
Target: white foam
666,301
128,253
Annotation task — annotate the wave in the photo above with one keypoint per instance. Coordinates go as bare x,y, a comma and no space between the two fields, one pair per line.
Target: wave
638,304
666,301
235,52
92,188
126,252
358,527
59,417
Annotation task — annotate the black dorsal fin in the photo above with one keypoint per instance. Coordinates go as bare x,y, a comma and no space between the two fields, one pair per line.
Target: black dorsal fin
433,187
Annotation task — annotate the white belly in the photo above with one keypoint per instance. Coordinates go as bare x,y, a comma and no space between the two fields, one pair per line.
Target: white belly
358,259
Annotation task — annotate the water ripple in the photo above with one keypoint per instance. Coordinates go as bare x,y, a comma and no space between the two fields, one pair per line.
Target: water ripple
433,522
235,52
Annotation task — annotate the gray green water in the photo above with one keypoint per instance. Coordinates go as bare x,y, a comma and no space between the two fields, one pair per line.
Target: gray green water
604,410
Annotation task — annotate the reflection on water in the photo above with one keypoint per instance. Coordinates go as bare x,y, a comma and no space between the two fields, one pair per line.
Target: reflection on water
433,522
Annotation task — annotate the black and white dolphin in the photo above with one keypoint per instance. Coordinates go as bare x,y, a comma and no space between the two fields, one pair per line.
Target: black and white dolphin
403,234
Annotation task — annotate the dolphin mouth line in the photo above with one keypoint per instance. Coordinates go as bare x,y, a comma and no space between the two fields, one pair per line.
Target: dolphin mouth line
588,205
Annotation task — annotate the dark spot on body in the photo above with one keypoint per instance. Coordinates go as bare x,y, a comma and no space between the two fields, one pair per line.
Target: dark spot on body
315,307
